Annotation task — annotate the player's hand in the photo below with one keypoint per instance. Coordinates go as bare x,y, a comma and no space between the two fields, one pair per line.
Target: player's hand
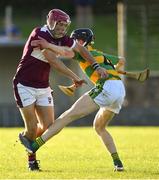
102,72
79,83
41,42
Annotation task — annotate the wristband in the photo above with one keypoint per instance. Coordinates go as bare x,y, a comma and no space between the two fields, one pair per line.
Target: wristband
95,66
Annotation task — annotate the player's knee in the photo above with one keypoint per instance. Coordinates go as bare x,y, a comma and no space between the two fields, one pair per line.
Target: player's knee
45,126
41,128
99,127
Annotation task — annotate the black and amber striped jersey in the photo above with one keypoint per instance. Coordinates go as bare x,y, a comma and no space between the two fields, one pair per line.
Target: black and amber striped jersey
105,60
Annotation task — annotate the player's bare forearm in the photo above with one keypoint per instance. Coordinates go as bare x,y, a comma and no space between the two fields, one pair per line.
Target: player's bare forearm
84,53
59,65
59,50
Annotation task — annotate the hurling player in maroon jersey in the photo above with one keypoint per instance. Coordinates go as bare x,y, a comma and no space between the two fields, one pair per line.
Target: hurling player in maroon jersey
31,81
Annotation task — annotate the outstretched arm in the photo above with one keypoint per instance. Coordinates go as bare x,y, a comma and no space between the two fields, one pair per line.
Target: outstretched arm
68,52
58,50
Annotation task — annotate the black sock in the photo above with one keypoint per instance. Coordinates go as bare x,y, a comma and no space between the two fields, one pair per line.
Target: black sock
115,157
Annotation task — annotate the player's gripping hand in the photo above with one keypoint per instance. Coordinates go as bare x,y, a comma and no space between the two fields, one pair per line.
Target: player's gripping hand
102,72
41,42
79,83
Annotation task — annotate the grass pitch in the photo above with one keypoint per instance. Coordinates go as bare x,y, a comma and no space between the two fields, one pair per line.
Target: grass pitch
77,153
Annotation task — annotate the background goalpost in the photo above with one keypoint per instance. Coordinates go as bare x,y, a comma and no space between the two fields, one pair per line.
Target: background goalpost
138,37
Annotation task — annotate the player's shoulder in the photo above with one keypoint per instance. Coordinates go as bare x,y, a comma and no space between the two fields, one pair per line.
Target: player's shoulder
67,38
42,32
94,51
68,41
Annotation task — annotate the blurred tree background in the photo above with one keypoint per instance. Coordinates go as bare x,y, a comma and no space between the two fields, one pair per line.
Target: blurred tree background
32,13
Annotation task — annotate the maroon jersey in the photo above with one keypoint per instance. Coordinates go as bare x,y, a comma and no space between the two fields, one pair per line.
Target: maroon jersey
33,69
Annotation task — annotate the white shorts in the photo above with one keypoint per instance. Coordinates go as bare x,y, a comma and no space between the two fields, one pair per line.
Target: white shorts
109,95
25,96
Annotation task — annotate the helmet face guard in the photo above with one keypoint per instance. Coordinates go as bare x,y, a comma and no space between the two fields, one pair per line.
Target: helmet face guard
58,17
84,34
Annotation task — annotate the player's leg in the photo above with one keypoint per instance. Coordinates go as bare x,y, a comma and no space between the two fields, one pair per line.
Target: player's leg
46,119
82,107
110,100
101,121
30,121
26,99
44,112
45,116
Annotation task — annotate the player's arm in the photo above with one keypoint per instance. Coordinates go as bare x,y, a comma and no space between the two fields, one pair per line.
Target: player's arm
121,63
117,61
88,57
59,50
59,65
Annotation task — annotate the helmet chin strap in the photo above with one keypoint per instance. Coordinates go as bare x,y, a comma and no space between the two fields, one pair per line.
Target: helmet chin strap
52,28
84,43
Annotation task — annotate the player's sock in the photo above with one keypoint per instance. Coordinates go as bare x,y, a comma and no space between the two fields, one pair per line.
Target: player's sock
38,143
31,157
117,162
115,158
33,164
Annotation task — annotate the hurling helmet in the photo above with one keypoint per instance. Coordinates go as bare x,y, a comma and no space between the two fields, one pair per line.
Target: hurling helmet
56,15
84,34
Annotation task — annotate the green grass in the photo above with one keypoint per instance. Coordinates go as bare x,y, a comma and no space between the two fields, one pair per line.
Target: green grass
77,153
